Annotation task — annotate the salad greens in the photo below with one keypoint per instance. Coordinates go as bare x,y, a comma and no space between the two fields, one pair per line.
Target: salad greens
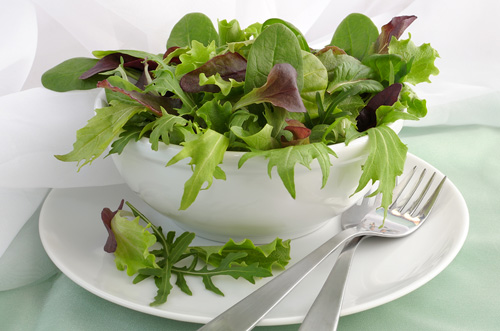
146,253
260,89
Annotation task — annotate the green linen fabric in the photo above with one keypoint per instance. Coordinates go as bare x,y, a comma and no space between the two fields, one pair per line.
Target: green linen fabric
463,297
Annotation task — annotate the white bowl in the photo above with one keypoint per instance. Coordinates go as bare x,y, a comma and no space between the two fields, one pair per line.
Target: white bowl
248,204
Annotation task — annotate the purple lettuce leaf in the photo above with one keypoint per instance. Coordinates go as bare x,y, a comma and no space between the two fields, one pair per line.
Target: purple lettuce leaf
394,28
106,216
280,90
150,101
367,117
228,65
112,61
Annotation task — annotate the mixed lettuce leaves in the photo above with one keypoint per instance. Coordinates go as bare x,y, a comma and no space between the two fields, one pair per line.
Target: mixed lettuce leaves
144,251
262,90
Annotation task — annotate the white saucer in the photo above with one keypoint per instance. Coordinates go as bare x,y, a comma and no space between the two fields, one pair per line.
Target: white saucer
383,269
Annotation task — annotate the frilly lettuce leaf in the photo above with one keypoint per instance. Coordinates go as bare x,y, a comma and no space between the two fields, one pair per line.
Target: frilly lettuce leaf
133,244
421,57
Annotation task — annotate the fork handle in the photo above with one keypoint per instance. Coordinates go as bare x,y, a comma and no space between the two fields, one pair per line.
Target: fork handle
324,313
245,314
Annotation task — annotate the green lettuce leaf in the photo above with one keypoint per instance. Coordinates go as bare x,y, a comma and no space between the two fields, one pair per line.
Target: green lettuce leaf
206,153
93,139
133,244
192,26
285,159
163,127
421,58
385,162
315,81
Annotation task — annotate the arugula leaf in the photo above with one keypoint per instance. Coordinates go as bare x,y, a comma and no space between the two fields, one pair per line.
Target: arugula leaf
276,44
284,159
385,162
355,35
66,75
275,253
93,139
206,153
215,115
163,127
422,58
166,82
134,252
133,244
192,26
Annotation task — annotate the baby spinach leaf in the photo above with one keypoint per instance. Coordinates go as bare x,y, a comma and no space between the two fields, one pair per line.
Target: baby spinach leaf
285,159
66,75
206,154
93,139
300,37
193,26
348,72
280,89
275,45
355,35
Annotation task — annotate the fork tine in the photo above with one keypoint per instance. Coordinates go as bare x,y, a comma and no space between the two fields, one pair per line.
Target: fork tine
398,205
426,209
416,203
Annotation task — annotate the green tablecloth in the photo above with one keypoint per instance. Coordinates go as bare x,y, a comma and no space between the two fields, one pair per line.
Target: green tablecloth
465,296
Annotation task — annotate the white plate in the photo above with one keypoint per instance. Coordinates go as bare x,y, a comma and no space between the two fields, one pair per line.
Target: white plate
383,269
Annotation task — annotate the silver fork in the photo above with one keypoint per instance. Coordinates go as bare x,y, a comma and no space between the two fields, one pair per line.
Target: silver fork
245,314
324,313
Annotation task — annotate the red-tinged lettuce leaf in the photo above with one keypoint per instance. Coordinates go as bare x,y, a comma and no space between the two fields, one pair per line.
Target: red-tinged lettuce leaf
112,61
299,131
152,102
169,53
367,117
335,50
394,28
228,66
106,216
280,89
